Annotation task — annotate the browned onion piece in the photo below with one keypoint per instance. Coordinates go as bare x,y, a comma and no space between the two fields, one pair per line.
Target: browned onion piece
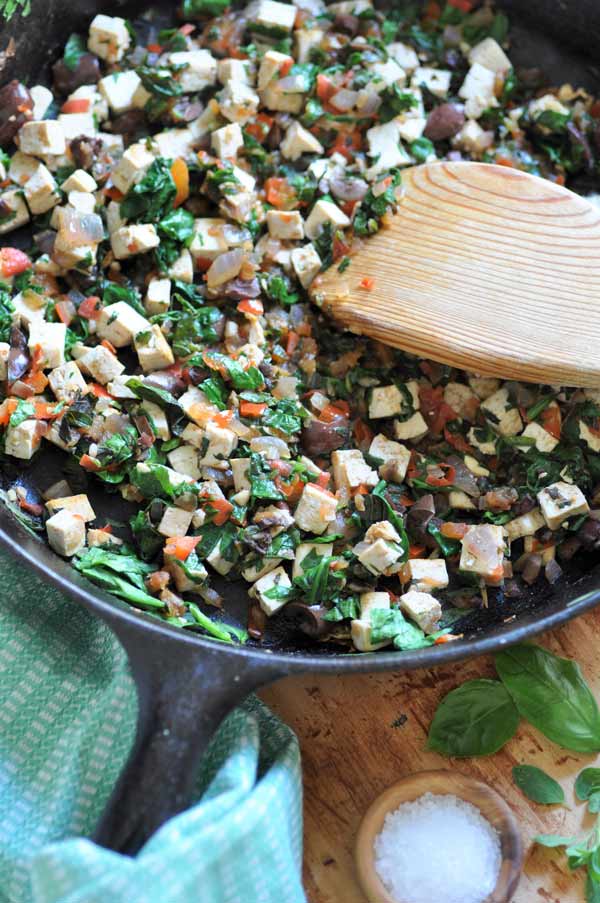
464,479
318,438
552,571
348,189
86,72
444,122
18,356
80,228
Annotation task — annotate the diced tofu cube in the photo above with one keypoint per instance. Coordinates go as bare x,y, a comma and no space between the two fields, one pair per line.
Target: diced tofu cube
66,533
475,467
591,439
390,401
188,581
461,399
238,102
22,167
208,240
39,138
75,124
175,522
411,129
240,468
524,525
306,40
235,70
414,428
50,337
273,18
157,417
305,549
423,609
385,148
379,557
298,141
392,454
490,54
544,441
29,306
460,501
387,74
560,501
80,180
484,386
483,553
66,381
499,412
183,268
22,441
270,583
109,38
200,69
271,65
76,504
96,102
82,201
361,628
131,240
184,459
322,213
227,141
42,98
4,353
404,55
351,470
218,562
285,225
484,446
153,350
17,215
119,323
426,574
473,139
40,191
102,538
478,91
548,103
306,263
221,443
132,167
436,81
316,509
101,364
158,296
174,143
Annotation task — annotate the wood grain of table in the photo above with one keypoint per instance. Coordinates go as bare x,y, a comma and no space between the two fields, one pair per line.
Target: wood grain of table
360,733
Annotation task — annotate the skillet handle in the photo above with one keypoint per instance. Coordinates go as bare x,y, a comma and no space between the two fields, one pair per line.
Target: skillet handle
184,692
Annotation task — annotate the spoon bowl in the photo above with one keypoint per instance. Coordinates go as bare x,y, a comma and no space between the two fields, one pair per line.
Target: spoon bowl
484,268
439,782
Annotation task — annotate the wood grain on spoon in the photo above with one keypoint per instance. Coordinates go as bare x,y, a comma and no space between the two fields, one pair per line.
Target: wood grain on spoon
485,268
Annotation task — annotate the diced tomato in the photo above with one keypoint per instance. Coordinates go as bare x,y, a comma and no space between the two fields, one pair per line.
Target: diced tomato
415,551
552,420
251,306
89,463
346,144
181,177
181,547
280,193
223,509
252,409
340,247
325,87
285,67
45,411
113,193
13,262
222,419
458,442
90,308
260,128
77,105
453,531
367,284
292,342
335,410
362,433
446,480
99,391
292,491
109,346
154,48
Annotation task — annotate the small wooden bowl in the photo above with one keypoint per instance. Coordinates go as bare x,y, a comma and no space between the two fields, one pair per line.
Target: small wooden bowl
489,803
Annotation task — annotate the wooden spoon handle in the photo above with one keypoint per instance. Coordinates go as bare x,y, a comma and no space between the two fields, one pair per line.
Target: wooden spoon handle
485,268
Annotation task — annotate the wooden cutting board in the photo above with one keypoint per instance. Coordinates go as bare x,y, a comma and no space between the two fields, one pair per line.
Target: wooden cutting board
360,733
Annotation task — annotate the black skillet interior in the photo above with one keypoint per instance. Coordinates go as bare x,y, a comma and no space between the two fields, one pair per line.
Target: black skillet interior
563,39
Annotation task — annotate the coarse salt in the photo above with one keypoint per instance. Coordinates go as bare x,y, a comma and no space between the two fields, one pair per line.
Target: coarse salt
438,849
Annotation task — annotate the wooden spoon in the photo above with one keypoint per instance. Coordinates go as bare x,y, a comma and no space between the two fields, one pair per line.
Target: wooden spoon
441,781
485,268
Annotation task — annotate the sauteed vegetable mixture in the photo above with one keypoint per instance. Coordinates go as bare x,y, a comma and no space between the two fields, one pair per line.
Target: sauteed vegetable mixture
185,186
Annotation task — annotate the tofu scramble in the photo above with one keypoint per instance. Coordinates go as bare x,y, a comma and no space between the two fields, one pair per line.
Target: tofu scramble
185,185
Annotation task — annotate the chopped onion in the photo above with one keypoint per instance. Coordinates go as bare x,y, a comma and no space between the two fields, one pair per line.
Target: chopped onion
368,102
344,100
80,228
235,235
292,84
225,267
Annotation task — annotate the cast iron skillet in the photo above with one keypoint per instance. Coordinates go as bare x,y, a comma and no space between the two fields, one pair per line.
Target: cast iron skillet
187,684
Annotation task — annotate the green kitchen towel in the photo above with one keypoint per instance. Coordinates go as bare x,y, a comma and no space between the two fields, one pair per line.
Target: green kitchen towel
67,721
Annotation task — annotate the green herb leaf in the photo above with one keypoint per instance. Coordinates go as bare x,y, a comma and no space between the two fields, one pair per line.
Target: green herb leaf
75,48
151,199
162,398
536,785
551,694
476,719
178,224
114,293
553,840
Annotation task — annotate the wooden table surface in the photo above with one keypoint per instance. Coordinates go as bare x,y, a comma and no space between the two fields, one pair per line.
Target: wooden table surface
360,733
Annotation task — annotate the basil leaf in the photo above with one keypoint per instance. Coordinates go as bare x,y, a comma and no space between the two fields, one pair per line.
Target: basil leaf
113,293
592,889
551,694
178,224
476,719
587,787
536,785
